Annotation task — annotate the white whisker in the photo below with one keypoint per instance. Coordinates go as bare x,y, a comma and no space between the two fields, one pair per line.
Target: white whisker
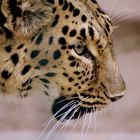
113,6
68,99
84,125
127,17
77,120
67,123
124,11
89,120
95,121
59,122
53,118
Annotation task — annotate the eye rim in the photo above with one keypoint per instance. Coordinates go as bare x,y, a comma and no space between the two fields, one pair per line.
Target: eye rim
80,48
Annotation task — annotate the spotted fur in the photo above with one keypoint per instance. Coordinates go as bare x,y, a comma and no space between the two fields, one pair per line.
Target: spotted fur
62,48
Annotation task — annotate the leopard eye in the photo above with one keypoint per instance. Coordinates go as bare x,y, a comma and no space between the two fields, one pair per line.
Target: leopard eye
80,49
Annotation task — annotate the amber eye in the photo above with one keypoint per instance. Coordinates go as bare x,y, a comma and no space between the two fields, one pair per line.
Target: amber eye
80,49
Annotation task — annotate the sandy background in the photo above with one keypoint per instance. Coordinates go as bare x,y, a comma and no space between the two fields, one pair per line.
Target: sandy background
23,120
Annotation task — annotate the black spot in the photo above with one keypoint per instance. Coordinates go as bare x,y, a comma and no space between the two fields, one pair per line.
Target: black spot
76,84
65,30
15,58
67,16
20,46
84,18
65,6
73,33
100,11
1,32
43,62
54,9
77,72
39,39
8,49
71,58
28,88
51,40
71,7
71,46
83,33
94,1
62,41
25,69
72,64
107,26
55,21
76,12
35,53
2,18
90,89
100,46
61,2
27,82
46,93
50,1
63,47
5,74
56,54
7,32
45,80
79,87
80,77
91,32
65,74
14,10
86,79
71,79
69,89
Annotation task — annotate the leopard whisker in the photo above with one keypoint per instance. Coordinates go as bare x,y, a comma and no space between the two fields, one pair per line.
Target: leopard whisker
76,109
113,6
124,11
53,118
95,120
70,103
77,120
68,99
84,125
127,17
67,123
59,122
89,120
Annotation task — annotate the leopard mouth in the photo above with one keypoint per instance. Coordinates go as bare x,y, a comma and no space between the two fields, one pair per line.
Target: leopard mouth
69,109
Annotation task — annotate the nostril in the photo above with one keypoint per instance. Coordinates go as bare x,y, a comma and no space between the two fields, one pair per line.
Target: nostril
114,99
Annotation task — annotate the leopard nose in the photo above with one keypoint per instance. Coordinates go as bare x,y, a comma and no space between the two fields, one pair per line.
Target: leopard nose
114,99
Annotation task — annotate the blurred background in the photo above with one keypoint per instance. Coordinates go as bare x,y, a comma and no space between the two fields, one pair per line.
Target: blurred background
25,120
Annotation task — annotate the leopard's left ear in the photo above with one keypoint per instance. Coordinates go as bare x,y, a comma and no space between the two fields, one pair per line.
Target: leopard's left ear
25,18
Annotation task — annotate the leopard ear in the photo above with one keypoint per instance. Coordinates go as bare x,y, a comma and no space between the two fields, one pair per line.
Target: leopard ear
26,17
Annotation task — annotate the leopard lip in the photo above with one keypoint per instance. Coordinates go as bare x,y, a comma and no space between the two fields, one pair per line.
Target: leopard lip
68,109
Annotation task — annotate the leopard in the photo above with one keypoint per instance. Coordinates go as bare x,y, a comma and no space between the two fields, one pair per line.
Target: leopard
60,48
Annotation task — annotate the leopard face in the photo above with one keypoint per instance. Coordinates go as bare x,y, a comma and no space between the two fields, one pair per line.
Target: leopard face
64,49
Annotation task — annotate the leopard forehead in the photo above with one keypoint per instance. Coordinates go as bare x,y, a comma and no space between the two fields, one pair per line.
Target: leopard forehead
61,45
